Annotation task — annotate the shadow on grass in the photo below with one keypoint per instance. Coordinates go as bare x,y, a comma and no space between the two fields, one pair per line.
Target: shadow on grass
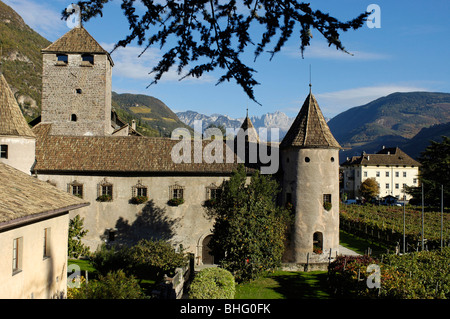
302,285
286,285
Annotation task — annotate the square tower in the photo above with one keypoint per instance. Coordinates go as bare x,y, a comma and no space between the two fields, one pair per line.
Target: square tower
76,85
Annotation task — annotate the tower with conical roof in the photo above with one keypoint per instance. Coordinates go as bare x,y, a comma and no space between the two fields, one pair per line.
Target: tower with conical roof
309,160
17,140
247,142
76,85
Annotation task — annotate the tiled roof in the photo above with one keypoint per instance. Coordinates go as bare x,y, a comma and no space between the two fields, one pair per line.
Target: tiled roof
77,40
247,126
309,128
12,121
23,197
386,156
119,154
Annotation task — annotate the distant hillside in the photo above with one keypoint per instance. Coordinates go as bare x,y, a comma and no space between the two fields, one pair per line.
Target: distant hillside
418,143
153,117
21,60
391,121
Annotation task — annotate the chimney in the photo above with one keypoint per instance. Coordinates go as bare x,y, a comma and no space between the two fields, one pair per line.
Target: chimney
133,125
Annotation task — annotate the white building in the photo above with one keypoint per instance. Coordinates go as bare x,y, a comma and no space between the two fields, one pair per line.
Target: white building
392,168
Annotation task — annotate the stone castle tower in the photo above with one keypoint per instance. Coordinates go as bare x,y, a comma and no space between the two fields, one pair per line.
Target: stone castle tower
76,85
309,163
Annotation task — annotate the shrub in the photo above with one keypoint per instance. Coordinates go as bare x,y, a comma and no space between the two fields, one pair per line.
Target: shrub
110,259
104,198
175,201
327,206
212,283
154,259
138,199
115,285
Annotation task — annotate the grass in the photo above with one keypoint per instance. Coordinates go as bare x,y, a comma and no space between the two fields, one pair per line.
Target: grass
286,285
360,245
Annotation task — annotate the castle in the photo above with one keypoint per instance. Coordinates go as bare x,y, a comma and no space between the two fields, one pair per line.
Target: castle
83,148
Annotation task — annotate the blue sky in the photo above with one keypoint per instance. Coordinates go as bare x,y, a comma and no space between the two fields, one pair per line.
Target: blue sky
409,52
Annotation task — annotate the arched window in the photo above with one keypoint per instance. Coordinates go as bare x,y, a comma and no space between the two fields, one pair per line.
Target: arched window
73,117
318,243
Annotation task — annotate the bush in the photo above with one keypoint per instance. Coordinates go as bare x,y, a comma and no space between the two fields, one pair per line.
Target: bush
110,259
175,201
154,259
138,200
115,285
212,283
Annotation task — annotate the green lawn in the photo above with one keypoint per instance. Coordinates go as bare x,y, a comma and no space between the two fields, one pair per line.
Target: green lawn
360,245
286,285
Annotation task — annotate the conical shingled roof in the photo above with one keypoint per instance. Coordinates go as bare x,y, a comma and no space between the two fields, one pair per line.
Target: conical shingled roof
77,40
12,121
248,127
309,128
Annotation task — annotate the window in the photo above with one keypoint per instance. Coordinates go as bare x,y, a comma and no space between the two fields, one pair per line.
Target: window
397,174
397,186
76,189
387,185
62,59
404,174
307,159
327,201
4,151
17,255
365,174
105,191
387,174
73,118
177,193
415,181
378,174
46,252
87,59
141,191
79,91
318,243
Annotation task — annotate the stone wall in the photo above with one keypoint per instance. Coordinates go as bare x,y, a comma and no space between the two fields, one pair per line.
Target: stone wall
77,89
186,224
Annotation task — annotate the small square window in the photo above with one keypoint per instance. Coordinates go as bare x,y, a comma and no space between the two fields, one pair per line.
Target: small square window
62,59
87,59
3,151
77,190
141,191
387,174
177,193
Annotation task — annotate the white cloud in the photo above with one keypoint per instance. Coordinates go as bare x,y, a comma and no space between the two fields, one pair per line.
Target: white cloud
321,50
333,103
128,64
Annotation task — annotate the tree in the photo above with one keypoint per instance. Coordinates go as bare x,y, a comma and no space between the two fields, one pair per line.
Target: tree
249,230
210,34
434,172
369,189
75,247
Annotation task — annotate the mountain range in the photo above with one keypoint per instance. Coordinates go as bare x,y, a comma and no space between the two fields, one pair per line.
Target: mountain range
269,120
408,120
